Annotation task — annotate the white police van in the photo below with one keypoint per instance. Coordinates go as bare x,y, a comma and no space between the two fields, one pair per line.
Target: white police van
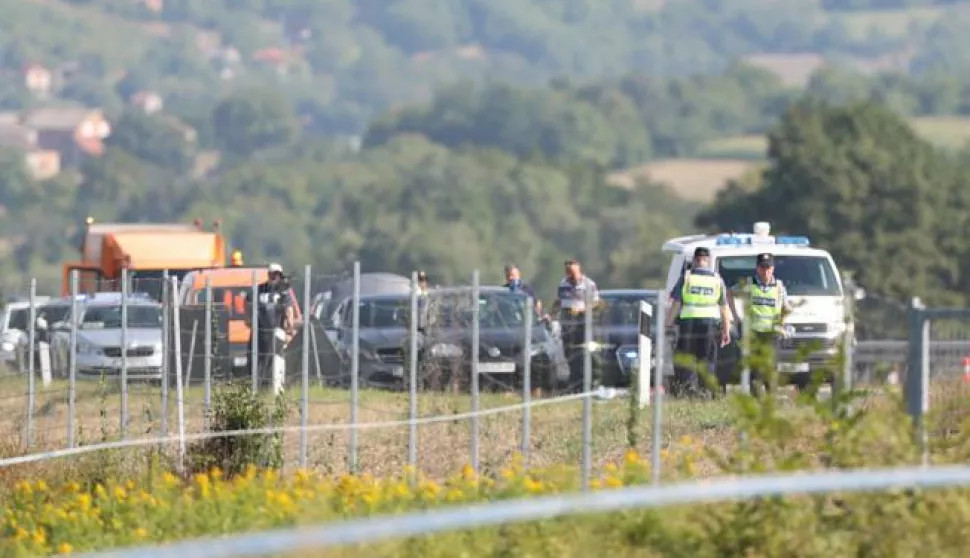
810,276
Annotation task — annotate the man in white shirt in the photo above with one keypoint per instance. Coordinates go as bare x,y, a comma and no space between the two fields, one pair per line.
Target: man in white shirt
570,308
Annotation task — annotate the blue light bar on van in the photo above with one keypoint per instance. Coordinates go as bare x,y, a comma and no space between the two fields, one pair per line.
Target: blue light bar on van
733,240
793,240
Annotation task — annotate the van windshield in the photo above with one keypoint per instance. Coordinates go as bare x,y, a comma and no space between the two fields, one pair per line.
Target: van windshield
801,275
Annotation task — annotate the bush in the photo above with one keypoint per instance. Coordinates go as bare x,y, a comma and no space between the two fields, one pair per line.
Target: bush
236,406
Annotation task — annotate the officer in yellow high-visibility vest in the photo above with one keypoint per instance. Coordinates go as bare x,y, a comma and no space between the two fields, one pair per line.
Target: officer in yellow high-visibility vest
767,304
699,302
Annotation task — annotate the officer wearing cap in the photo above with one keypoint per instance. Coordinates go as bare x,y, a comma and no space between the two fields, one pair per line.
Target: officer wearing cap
699,301
767,305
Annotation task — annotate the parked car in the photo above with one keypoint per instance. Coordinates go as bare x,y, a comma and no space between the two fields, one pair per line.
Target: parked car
14,331
616,334
99,336
382,338
446,343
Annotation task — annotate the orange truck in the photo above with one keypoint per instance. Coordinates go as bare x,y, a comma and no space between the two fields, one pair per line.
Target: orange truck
147,250
232,287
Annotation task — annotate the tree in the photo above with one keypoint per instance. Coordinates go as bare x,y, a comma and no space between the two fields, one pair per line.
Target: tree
251,120
154,139
859,182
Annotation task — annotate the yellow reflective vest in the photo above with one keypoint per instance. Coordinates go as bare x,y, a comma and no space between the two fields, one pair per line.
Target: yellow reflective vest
700,297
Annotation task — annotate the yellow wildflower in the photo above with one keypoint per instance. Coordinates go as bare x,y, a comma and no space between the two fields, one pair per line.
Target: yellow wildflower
24,487
84,501
686,440
129,485
41,486
170,479
72,487
610,468
20,534
141,533
532,486
215,473
64,548
613,482
631,457
120,493
39,537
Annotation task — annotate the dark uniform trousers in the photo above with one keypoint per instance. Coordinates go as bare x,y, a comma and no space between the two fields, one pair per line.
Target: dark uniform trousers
698,338
763,360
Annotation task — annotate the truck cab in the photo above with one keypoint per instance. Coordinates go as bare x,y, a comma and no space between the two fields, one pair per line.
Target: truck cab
810,275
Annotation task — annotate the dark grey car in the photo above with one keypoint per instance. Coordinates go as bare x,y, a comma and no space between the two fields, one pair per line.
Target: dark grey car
382,339
446,344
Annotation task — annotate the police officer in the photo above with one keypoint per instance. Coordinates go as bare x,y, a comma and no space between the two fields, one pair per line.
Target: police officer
699,301
570,309
767,306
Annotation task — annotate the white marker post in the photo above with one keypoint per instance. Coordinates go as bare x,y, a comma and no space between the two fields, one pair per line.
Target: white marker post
644,354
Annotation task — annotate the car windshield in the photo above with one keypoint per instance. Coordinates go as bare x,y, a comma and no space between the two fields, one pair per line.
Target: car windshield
383,313
801,275
622,310
54,313
496,310
109,317
18,319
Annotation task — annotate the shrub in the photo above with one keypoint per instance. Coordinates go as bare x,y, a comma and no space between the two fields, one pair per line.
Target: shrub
236,406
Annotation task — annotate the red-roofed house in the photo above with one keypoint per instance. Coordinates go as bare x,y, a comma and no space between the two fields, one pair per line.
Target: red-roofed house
75,133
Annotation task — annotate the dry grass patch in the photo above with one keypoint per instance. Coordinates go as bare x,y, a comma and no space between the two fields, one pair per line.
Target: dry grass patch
692,179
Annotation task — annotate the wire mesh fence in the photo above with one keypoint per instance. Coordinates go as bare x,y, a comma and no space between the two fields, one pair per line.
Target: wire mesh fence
351,348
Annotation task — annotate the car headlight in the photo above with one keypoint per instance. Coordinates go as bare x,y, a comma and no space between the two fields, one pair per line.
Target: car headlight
595,346
446,350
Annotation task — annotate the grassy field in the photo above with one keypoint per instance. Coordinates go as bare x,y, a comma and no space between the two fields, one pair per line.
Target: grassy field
728,158
76,506
442,447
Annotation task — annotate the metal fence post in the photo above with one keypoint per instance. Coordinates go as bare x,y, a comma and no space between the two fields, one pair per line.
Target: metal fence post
124,353
72,363
413,374
527,381
476,347
917,375
166,348
848,337
587,388
207,358
254,333
305,372
659,345
31,357
354,370
179,389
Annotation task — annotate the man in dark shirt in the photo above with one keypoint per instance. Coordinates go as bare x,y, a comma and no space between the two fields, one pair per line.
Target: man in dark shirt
514,282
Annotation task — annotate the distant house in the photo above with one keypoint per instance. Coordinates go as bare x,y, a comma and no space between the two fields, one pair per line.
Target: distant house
75,133
188,133
42,164
38,80
154,6
277,58
148,101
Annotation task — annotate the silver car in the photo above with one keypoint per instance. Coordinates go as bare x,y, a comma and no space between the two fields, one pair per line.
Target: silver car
99,336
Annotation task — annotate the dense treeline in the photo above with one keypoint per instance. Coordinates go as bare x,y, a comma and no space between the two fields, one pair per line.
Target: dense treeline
483,175
345,61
